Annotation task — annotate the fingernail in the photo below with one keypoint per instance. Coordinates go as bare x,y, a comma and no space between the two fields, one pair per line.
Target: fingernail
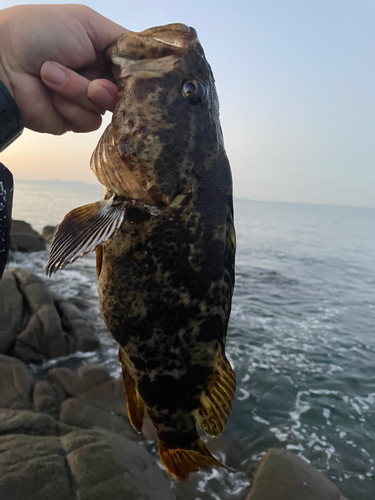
53,73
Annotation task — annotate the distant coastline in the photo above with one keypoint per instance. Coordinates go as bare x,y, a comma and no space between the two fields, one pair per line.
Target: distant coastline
76,186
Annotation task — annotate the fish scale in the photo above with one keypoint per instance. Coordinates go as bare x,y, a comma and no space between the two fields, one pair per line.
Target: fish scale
165,242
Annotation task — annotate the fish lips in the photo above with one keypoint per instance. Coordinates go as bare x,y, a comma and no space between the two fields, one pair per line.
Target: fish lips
151,49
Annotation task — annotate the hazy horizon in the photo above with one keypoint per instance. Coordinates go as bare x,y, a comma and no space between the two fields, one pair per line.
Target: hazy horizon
296,88
100,187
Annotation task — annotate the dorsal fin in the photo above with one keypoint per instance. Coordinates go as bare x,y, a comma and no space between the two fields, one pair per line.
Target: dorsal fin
82,230
217,399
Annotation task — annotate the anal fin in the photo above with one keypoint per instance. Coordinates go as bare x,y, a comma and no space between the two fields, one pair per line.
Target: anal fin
216,400
134,401
83,230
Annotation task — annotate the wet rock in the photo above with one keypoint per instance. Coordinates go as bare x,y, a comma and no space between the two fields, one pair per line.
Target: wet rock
16,384
43,337
27,422
34,468
11,311
86,414
106,465
88,377
282,475
39,462
34,326
75,325
48,398
92,382
81,304
48,232
95,399
25,239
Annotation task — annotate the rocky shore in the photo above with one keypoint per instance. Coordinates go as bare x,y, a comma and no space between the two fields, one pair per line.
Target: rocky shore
65,435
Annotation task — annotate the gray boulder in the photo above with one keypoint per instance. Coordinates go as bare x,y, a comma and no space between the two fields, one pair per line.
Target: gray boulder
11,311
16,384
43,337
86,414
94,399
282,475
35,325
25,239
73,464
106,465
48,398
78,331
48,232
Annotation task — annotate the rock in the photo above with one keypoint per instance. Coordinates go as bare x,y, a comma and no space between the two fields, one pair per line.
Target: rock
43,337
84,413
79,332
106,465
88,378
48,232
95,399
27,422
94,383
31,327
11,311
16,384
34,468
66,378
25,239
48,398
282,475
81,304
91,464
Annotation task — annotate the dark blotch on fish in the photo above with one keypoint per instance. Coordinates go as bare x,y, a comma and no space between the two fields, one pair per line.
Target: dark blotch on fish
165,241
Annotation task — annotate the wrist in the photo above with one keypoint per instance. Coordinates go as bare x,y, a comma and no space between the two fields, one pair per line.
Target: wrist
11,122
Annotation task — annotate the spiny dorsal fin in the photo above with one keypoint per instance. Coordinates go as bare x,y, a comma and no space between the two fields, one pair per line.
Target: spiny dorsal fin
217,399
82,230
135,404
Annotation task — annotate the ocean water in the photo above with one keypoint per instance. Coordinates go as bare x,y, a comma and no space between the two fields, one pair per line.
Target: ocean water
301,335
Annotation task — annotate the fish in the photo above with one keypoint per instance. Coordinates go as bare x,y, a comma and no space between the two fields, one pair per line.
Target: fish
165,242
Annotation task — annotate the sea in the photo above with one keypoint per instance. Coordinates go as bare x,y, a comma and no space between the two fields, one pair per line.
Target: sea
301,335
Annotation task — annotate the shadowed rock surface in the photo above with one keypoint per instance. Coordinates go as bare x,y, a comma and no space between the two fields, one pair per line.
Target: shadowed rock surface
66,449
282,475
37,325
68,437
48,232
41,460
16,384
25,239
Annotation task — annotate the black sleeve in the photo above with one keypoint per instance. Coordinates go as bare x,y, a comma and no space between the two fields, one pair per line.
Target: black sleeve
6,199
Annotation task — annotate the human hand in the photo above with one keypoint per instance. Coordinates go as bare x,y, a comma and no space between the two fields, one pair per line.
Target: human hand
52,62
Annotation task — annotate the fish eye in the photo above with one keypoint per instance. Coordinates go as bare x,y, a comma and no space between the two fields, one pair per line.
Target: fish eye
194,91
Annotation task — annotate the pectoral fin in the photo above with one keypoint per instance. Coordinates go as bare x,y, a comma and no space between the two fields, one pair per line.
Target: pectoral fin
217,399
83,230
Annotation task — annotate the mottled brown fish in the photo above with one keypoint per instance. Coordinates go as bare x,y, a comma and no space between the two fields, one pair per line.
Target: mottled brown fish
165,241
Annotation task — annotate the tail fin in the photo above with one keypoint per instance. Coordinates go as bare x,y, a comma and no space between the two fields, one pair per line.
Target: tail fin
179,462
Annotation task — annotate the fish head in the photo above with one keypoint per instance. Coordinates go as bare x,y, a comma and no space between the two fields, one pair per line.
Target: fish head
165,128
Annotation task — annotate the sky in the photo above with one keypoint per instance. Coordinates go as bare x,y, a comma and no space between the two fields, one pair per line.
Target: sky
296,83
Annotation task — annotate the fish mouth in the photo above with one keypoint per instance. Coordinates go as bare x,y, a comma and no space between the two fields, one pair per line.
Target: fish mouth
154,43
